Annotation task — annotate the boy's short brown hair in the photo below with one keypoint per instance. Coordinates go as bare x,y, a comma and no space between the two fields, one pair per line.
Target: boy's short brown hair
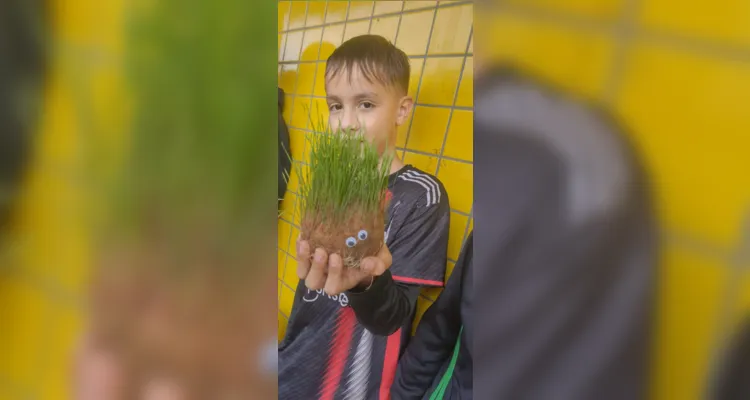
377,58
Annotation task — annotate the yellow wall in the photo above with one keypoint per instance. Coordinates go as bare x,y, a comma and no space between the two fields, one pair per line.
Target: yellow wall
678,73
438,139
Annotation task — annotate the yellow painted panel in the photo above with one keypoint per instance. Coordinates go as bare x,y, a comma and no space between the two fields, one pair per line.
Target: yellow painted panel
290,274
319,114
415,74
297,141
280,263
360,9
316,13
90,23
440,80
287,82
690,298
693,136
428,129
297,14
25,312
575,59
284,7
385,27
601,9
356,29
293,46
728,20
386,7
287,205
311,44
458,178
284,233
414,32
301,113
68,323
333,35
425,163
336,11
465,96
460,141
305,79
452,29
415,4
286,300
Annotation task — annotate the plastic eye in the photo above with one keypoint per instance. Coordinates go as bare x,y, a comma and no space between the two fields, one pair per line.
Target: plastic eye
362,235
351,242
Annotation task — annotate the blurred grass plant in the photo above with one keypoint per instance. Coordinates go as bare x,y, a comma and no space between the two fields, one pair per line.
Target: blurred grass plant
187,216
197,164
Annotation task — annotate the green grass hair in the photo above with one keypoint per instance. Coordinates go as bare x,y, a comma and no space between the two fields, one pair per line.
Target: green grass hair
346,175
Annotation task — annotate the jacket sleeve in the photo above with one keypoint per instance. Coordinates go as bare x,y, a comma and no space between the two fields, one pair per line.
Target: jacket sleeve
435,339
386,306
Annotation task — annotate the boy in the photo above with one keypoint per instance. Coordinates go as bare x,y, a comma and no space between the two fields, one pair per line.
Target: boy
348,327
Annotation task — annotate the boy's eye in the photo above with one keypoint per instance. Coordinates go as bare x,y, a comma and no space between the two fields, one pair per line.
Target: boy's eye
366,105
334,107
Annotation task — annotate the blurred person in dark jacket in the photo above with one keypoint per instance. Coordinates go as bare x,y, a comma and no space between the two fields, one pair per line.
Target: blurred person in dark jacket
437,363
562,262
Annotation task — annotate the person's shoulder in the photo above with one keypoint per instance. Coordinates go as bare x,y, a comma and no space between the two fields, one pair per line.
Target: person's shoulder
418,189
529,126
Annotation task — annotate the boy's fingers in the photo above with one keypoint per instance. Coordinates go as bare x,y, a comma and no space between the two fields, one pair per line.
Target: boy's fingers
385,256
303,259
316,278
335,272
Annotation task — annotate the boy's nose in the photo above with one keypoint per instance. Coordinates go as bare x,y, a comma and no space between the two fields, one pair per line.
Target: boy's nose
350,122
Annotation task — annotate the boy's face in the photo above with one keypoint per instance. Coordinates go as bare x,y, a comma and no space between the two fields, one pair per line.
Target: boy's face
360,106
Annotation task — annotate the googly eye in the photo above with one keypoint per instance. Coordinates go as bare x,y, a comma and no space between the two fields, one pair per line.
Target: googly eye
362,235
351,241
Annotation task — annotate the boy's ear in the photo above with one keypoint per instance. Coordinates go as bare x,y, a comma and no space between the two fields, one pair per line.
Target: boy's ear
404,109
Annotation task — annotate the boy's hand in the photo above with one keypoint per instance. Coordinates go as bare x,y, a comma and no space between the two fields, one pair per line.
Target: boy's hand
321,271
